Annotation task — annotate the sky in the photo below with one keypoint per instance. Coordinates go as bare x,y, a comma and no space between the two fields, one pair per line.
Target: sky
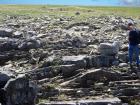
76,2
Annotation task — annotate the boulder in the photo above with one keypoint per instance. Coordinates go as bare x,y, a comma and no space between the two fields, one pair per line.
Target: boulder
79,61
41,73
8,45
99,75
5,32
3,79
103,60
29,44
2,97
20,91
77,42
46,72
5,57
108,48
89,62
68,70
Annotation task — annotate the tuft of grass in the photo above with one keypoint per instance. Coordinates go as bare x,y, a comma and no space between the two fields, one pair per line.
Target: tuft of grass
134,102
63,97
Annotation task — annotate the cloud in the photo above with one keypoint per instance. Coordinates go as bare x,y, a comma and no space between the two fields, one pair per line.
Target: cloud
122,2
119,2
131,2
128,1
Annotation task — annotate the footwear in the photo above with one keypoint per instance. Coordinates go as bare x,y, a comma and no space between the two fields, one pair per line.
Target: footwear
137,65
131,66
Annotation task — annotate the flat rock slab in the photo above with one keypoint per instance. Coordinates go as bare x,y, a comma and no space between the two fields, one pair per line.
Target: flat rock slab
79,61
73,58
97,74
106,101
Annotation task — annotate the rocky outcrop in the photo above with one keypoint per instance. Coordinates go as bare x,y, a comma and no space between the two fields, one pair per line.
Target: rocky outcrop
87,58
18,91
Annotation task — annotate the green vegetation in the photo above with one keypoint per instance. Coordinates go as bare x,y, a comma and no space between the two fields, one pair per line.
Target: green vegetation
134,102
63,97
85,11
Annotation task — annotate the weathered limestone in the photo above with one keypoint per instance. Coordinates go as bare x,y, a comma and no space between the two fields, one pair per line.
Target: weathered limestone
29,44
91,76
98,75
5,32
3,79
56,51
18,91
79,61
109,49
89,61
106,101
68,70
103,60
128,92
123,57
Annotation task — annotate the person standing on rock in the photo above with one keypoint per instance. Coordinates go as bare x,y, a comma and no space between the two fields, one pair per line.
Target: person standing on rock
133,44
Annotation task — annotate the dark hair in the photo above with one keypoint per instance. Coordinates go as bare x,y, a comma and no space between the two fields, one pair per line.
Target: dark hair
130,24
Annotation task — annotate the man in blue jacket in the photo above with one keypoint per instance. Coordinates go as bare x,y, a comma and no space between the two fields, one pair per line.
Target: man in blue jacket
133,44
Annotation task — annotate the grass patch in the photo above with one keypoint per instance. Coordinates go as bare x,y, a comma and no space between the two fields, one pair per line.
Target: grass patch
85,11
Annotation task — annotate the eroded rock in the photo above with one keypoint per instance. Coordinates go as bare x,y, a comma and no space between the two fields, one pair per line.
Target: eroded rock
5,32
79,60
20,91
109,49
106,101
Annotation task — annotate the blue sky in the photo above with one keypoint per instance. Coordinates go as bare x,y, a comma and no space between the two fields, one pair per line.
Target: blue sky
85,2
76,2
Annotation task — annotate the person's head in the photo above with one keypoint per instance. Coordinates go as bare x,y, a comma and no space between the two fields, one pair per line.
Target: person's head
130,26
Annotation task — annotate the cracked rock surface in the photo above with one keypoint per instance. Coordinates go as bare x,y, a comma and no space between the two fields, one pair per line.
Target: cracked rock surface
68,61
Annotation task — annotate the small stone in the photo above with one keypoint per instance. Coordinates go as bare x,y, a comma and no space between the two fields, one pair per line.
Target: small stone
17,34
123,65
115,63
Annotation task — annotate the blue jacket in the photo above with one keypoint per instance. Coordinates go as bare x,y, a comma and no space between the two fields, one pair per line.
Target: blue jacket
134,37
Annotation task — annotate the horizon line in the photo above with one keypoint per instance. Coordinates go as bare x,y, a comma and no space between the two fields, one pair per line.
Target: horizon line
70,5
